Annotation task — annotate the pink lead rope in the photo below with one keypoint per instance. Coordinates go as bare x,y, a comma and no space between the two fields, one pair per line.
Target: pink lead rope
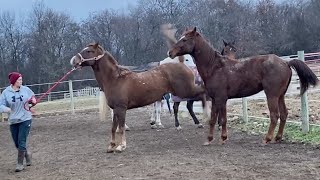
44,94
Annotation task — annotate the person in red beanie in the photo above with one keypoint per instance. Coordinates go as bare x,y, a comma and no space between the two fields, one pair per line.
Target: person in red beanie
12,101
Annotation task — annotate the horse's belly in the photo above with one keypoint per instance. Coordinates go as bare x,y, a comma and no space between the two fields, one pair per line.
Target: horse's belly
247,90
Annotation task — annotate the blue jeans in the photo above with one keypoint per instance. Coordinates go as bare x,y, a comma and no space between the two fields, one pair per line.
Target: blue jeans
19,133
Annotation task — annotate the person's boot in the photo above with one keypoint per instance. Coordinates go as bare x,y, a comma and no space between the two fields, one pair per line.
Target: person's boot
28,158
21,155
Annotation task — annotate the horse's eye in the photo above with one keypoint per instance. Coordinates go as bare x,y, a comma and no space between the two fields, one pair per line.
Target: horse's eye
184,40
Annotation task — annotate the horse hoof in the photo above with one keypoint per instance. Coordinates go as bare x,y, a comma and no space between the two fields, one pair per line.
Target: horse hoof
160,126
222,142
200,126
207,143
126,128
110,149
278,139
179,128
265,142
120,148
153,126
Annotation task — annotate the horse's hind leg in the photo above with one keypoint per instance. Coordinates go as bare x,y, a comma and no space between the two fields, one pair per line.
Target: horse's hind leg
153,115
191,112
274,116
283,118
175,112
158,123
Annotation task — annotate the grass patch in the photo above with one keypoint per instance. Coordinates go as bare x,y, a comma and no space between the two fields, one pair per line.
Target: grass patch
292,131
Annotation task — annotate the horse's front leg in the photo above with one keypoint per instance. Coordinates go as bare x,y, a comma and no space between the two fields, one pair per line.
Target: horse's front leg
212,122
223,121
115,123
120,113
157,123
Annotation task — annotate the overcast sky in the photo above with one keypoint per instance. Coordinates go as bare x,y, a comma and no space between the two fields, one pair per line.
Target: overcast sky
78,9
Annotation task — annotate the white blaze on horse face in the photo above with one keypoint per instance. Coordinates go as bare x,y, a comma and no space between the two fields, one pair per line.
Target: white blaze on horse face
84,49
181,38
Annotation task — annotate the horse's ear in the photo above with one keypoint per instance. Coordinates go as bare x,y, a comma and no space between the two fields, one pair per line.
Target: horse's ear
194,29
224,42
234,42
95,46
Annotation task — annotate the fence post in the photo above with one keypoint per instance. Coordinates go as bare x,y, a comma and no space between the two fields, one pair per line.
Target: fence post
71,96
245,109
304,103
49,95
1,114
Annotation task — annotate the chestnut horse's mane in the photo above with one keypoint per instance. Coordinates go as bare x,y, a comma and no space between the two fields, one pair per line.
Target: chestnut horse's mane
121,69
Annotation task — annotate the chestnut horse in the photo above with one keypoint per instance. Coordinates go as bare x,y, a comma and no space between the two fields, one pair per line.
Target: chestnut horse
226,78
229,49
169,34
126,90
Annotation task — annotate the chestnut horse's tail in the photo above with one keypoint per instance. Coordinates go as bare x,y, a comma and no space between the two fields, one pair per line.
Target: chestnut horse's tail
306,76
103,107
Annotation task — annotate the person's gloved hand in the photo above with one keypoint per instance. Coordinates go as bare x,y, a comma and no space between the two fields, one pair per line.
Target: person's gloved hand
33,101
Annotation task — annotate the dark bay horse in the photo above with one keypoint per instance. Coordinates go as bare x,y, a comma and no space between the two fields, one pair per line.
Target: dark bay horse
226,78
126,90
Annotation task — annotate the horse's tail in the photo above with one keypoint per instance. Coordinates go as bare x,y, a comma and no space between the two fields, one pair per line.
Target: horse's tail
306,76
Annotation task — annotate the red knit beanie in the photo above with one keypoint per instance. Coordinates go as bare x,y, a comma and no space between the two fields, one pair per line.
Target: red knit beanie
13,77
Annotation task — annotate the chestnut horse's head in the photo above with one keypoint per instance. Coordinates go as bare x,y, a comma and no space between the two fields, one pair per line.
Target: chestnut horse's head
88,56
185,44
229,49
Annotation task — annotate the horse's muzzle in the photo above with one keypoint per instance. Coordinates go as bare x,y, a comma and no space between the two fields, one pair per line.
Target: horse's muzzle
171,54
75,61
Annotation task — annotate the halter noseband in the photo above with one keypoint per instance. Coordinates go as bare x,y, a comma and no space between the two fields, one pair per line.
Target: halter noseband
89,59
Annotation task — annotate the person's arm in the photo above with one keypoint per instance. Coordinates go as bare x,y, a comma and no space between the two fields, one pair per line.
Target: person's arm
3,105
31,94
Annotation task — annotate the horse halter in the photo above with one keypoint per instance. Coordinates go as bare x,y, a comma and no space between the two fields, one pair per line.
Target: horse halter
89,59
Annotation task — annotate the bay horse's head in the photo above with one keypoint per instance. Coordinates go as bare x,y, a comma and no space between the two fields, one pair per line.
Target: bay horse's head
185,44
229,49
88,56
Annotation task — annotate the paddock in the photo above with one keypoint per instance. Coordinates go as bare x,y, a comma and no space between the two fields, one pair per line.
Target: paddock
69,146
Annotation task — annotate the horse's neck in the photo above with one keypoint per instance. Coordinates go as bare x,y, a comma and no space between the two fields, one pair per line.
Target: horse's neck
206,58
105,72
231,56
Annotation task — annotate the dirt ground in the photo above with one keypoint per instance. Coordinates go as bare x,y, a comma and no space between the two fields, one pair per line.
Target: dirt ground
74,147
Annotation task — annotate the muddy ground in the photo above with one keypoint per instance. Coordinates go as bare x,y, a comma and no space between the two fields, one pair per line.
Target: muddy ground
74,147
